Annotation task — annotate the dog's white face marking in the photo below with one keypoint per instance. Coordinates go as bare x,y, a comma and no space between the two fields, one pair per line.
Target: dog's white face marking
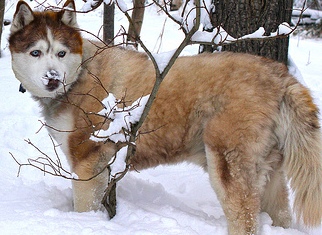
47,68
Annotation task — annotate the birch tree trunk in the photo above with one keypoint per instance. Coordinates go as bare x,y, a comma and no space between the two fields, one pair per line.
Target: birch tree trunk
137,20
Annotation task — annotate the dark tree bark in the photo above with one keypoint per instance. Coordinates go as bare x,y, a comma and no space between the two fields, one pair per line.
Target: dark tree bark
243,17
2,3
108,22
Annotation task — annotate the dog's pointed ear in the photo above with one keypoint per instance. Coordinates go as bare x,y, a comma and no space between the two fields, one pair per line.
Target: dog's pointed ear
22,17
69,14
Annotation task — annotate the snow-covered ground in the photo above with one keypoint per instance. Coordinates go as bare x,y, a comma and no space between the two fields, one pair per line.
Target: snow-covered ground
165,200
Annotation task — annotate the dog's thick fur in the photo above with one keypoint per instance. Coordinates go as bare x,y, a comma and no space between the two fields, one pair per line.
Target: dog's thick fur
243,118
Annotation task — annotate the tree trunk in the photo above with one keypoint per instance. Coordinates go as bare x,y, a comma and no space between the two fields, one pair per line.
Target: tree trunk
108,22
137,20
2,4
243,17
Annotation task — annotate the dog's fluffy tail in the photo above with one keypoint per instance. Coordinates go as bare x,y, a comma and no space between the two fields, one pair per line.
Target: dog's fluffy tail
301,143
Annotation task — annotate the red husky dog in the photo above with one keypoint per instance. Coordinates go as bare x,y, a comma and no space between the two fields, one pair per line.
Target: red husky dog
243,118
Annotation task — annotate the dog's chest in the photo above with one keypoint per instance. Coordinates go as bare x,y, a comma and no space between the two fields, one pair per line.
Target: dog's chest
60,127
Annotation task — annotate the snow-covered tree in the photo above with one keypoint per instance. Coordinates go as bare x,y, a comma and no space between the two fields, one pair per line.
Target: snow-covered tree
240,18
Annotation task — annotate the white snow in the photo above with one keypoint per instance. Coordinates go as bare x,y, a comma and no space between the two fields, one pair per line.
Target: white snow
87,6
284,29
217,36
122,118
162,59
165,200
257,34
74,176
122,5
315,14
52,74
189,14
117,163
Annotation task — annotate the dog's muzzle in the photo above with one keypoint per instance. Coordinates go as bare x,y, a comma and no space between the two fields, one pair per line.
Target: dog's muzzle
51,80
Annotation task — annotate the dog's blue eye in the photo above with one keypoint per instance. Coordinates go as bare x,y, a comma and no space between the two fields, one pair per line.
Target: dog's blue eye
35,53
61,54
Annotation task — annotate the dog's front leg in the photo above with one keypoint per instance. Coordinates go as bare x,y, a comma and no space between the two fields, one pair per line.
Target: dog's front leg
93,175
88,194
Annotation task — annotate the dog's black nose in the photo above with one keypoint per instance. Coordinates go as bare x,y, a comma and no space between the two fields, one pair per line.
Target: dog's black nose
53,84
22,89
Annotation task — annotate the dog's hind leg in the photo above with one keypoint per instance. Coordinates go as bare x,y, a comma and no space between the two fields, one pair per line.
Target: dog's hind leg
235,148
275,193
235,185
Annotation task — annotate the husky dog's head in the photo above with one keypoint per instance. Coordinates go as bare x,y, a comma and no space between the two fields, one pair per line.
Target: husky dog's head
46,49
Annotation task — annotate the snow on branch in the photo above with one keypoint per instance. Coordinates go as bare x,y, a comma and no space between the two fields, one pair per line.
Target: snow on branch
91,5
219,35
122,119
163,59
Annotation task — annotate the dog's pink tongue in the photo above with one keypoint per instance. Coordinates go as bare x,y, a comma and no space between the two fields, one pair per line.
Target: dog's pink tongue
52,84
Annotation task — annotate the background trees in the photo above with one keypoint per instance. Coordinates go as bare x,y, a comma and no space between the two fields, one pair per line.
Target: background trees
237,18
311,19
108,22
240,18
314,4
